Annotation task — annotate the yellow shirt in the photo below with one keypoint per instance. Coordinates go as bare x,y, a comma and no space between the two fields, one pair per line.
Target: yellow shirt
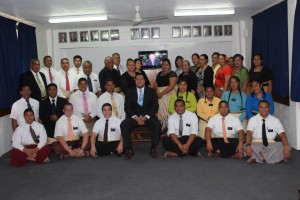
206,109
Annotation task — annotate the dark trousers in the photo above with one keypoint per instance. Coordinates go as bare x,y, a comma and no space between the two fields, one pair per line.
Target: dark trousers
60,150
129,124
169,145
226,149
104,149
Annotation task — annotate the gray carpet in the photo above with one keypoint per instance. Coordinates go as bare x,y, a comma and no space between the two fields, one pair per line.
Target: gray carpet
142,177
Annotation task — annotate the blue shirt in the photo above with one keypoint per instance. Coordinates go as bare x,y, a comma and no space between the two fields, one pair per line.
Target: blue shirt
237,103
252,103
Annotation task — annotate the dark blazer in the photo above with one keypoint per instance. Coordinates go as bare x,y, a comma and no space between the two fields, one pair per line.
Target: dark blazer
150,105
27,78
45,113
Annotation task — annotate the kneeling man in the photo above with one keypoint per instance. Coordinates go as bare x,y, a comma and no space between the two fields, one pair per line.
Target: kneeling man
220,134
266,139
29,142
182,133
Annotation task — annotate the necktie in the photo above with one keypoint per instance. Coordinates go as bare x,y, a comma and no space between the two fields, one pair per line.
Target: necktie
53,107
105,138
114,106
224,130
90,84
141,98
67,83
40,84
264,134
28,104
50,75
85,103
33,135
77,71
70,130
180,126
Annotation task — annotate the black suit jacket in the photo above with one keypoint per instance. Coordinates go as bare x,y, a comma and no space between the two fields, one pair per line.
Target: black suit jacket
27,78
45,113
150,105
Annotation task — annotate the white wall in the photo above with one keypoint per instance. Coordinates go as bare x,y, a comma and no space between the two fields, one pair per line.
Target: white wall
5,134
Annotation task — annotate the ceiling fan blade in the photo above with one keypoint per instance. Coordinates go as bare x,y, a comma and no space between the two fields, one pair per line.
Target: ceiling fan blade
137,23
116,19
147,19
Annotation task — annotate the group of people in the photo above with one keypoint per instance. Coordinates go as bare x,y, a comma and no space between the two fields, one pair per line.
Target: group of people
75,113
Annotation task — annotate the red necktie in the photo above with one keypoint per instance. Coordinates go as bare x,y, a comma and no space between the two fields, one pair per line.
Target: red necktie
50,75
67,83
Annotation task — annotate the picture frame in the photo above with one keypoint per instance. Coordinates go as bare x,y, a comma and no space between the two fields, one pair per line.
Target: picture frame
218,30
104,35
135,33
114,34
145,33
84,36
73,36
155,32
186,31
207,31
196,31
62,37
176,31
228,30
94,35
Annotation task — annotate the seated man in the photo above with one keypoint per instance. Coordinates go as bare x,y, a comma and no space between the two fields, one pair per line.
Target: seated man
29,142
18,108
182,132
220,134
109,139
266,139
141,105
51,109
67,132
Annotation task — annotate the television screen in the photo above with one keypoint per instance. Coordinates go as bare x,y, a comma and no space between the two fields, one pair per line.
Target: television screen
152,59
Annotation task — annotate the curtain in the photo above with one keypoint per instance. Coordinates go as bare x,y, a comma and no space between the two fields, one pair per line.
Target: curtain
295,83
270,39
9,63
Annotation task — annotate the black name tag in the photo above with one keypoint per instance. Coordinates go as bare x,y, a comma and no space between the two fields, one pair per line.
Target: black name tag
112,129
229,128
75,128
188,125
270,130
95,80
210,104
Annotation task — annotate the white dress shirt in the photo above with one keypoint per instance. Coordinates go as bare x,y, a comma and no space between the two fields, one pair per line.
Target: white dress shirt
60,81
190,124
106,98
114,131
45,70
76,99
273,126
121,68
73,71
18,108
61,126
22,136
232,125
94,79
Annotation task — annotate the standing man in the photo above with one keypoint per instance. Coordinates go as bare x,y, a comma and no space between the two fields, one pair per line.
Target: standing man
266,139
29,142
35,80
77,69
141,105
182,133
120,68
107,128
220,134
48,70
51,109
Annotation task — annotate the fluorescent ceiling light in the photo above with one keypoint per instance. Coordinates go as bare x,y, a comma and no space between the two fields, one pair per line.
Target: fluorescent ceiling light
208,11
78,18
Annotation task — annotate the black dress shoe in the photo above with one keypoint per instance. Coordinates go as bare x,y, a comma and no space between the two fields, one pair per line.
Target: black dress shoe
153,153
129,154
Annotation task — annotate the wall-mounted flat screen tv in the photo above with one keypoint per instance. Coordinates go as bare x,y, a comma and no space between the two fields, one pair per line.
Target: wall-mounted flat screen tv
152,59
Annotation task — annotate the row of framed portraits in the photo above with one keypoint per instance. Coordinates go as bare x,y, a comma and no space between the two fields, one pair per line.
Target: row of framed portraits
86,36
198,31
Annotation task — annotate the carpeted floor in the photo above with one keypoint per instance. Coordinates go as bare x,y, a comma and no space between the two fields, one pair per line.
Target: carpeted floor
145,178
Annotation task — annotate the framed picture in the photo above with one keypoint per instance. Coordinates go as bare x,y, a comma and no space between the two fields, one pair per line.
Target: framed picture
145,33
196,31
207,31
227,30
73,36
176,32
84,36
62,37
94,35
114,34
135,33
186,31
155,33
105,35
218,30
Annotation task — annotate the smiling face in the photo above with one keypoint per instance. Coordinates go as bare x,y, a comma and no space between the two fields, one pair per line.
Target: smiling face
65,65
107,112
223,109
68,110
263,109
52,91
209,93
29,117
35,66
138,64
195,60
182,86
166,66
256,87
215,59
25,92
131,66
238,62
185,67
82,85
202,61
179,107
222,60
139,81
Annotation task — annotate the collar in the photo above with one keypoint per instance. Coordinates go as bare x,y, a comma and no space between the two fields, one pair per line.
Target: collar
33,72
184,114
55,98
138,89
86,92
260,117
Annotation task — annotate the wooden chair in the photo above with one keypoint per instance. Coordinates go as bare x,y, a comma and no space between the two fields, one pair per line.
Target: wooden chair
141,130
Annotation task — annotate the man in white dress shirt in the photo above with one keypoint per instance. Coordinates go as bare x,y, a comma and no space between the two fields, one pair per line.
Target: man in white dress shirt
48,69
117,60
29,142
115,99
68,130
18,108
77,70
182,133
266,139
106,138
220,134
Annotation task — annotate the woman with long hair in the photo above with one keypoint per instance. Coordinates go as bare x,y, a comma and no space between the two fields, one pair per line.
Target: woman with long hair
178,65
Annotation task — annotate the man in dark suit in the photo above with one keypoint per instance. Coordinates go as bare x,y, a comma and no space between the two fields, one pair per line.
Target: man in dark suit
141,105
152,61
51,109
36,80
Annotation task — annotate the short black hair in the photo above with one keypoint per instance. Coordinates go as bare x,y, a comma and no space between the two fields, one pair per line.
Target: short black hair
77,56
106,104
46,57
264,101
109,80
63,60
82,79
23,86
215,53
51,85
28,110
195,54
68,104
205,56
179,100
223,101
238,55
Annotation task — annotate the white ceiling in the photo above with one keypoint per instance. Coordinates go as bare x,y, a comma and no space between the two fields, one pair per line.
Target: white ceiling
38,11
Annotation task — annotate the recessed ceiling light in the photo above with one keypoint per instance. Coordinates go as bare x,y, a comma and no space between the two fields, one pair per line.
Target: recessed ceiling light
78,18
208,11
